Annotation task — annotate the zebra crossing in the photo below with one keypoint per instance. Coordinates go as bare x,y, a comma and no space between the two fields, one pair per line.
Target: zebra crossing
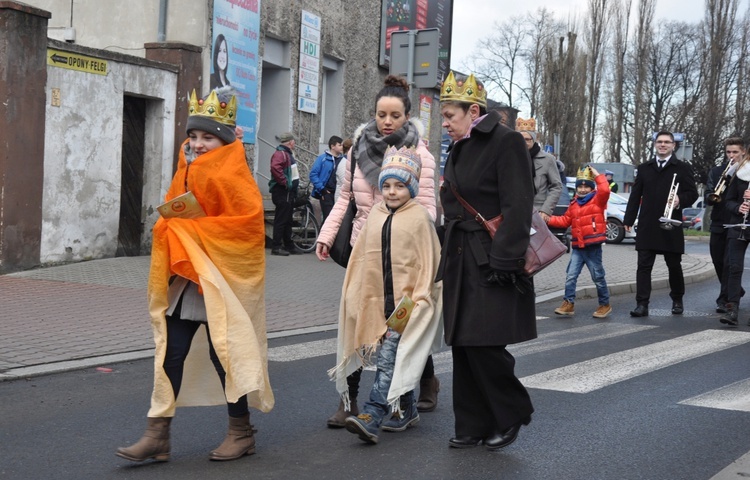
596,373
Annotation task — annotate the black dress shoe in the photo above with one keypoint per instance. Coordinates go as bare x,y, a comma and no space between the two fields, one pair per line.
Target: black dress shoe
503,439
280,252
293,251
677,308
640,311
464,441
721,307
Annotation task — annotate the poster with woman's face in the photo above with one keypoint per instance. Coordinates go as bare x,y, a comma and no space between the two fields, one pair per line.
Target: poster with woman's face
234,58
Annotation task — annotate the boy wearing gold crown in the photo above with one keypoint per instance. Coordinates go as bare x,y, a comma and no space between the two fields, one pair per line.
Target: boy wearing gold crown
585,216
209,271
394,260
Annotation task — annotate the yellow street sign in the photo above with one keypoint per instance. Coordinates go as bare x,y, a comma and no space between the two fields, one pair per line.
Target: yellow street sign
74,61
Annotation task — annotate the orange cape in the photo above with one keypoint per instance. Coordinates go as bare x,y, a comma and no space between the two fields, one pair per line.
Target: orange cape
224,253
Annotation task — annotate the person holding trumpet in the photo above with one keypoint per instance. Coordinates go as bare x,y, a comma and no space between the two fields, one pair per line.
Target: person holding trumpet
737,205
719,178
664,185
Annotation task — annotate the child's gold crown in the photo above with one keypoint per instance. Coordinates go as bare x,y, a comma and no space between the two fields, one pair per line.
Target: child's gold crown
214,108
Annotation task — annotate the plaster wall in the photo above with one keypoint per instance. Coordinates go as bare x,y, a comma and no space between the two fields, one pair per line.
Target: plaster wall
83,143
125,26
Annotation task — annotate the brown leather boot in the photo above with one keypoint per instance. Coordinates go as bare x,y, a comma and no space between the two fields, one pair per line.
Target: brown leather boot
428,393
153,444
240,440
338,419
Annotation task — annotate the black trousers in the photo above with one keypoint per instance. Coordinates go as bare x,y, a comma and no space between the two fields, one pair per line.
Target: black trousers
487,395
326,204
646,259
736,262
179,336
282,218
719,257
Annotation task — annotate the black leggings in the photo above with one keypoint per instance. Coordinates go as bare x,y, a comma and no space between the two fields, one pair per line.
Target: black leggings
179,336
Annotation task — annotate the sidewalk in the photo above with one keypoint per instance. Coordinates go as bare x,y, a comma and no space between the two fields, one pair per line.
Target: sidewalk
93,313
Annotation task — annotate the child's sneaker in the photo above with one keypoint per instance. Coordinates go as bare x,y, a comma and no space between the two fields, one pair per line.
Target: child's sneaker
400,421
567,308
602,311
364,426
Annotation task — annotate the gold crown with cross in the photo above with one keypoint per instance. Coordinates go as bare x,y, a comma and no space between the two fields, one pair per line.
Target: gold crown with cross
467,91
215,109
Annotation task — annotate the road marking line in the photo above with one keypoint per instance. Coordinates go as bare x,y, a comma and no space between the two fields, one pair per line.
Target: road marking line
301,351
551,341
584,377
731,397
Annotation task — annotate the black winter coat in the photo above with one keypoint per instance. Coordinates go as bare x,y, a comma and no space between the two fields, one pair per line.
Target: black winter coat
492,171
734,194
719,214
650,193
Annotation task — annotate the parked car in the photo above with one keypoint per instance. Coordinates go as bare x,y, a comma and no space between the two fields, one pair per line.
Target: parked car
688,214
696,223
615,215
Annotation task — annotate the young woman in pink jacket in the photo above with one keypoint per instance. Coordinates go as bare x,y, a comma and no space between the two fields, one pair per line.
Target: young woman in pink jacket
391,127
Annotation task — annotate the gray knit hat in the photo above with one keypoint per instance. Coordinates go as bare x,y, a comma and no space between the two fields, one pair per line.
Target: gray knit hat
285,137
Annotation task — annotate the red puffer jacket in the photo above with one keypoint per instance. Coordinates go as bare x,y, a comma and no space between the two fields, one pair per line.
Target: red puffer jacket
587,222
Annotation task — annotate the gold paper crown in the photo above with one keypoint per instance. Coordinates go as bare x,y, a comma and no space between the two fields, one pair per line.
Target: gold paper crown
585,173
467,91
214,108
525,125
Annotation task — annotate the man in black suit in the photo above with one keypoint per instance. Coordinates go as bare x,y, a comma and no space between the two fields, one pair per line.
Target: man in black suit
650,194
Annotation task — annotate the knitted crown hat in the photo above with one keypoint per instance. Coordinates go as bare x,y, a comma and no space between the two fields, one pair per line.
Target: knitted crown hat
215,114
404,165
585,177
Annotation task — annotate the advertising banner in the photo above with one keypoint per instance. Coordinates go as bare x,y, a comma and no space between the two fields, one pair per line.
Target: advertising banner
234,57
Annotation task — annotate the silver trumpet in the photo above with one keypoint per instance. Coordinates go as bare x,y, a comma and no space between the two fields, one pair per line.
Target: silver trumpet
666,221
726,175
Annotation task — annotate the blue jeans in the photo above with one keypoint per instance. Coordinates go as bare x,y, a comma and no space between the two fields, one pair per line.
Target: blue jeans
592,257
377,405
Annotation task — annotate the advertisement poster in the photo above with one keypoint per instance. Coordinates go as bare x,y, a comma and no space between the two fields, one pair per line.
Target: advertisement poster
417,15
234,57
425,112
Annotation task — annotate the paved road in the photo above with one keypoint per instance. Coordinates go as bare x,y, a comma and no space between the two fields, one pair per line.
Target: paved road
667,397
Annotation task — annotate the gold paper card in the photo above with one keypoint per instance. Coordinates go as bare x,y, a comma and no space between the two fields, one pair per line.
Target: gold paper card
400,316
183,206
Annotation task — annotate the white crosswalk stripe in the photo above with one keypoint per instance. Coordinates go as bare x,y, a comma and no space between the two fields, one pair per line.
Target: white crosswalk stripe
600,372
732,397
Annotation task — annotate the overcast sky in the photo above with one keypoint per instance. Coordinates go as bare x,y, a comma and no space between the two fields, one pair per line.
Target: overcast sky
474,19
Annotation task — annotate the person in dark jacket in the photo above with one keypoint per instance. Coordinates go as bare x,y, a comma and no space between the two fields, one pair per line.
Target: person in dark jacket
737,206
650,193
283,185
487,301
719,177
323,175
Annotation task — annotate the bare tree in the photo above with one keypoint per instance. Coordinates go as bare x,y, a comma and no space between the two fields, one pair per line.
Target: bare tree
543,31
615,104
563,100
498,58
637,127
595,36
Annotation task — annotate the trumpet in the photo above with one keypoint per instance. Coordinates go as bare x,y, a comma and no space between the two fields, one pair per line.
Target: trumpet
726,175
666,221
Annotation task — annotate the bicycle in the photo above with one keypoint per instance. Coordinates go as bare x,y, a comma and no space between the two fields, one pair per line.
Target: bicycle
305,228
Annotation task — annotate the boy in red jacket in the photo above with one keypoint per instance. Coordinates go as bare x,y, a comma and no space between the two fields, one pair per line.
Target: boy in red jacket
585,216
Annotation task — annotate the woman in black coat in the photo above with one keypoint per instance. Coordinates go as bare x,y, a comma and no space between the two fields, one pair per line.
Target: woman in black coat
488,303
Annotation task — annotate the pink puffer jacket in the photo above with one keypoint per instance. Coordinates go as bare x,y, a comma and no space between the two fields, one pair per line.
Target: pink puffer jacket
366,196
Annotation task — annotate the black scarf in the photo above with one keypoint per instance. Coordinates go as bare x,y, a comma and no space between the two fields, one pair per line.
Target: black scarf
534,150
371,146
